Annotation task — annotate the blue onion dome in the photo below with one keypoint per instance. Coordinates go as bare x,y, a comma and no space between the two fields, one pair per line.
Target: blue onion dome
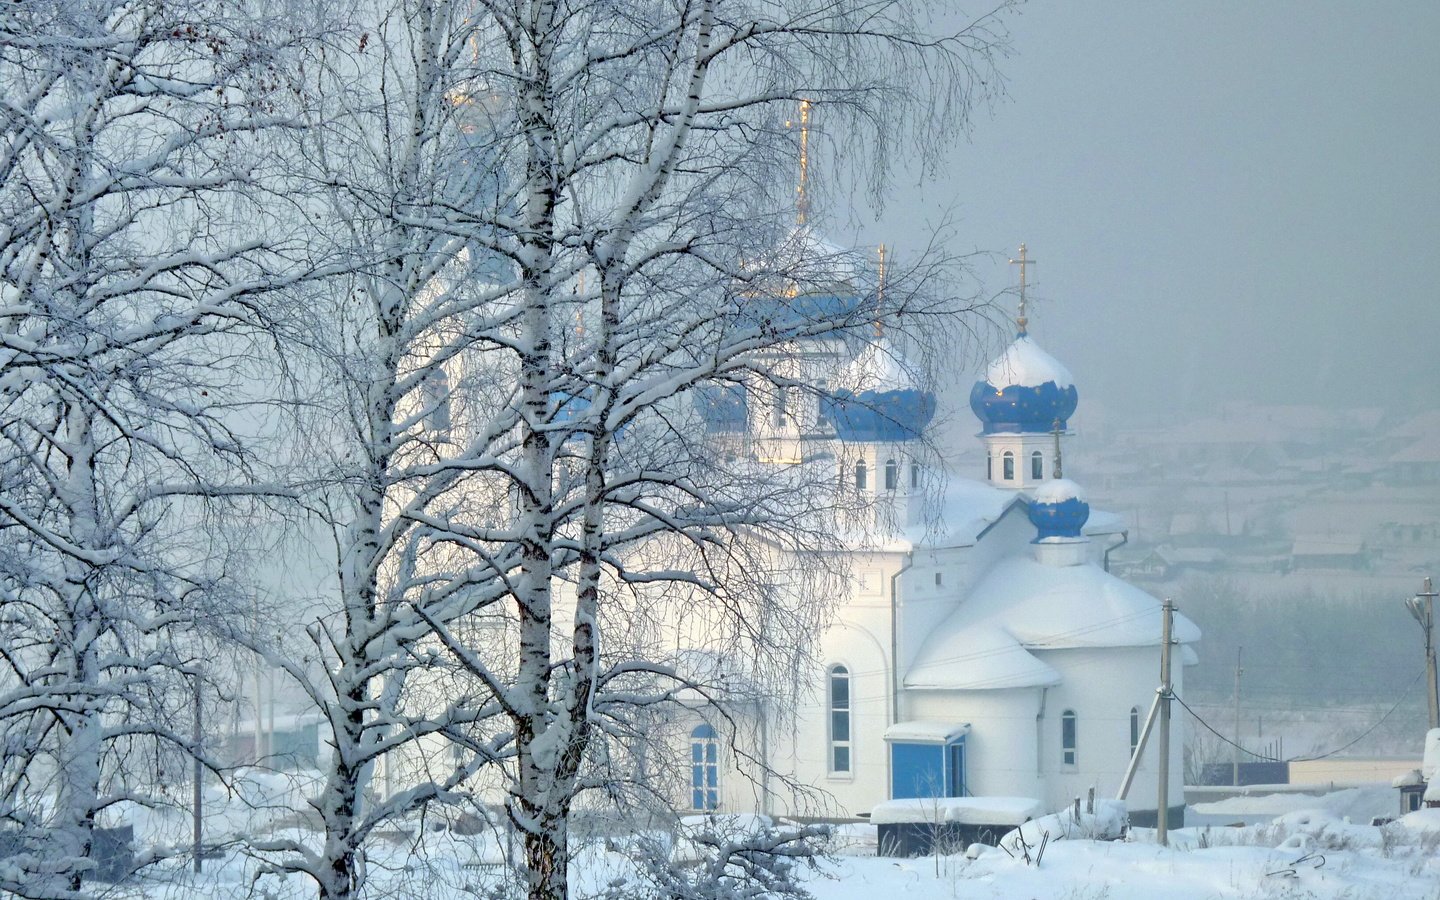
880,397
1025,390
722,407
1059,510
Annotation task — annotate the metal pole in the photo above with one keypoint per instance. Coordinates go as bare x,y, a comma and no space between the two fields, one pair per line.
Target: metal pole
1431,686
1422,607
1235,752
197,799
1162,810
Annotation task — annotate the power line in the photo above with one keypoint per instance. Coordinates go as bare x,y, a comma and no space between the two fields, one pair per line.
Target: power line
1365,734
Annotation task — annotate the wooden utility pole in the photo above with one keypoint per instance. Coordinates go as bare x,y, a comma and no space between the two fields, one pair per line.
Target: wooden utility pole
1422,607
1162,809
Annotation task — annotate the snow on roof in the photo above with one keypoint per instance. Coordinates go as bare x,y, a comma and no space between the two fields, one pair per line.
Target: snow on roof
880,367
1432,791
963,810
983,657
969,507
1022,605
965,509
1430,767
1024,364
1058,490
927,732
1409,779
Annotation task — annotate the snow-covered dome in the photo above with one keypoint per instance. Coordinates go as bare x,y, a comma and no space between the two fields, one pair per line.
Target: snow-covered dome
880,367
807,277
1059,510
880,397
1025,390
817,265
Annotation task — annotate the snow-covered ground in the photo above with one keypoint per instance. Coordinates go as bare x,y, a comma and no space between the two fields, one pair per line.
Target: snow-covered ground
1317,847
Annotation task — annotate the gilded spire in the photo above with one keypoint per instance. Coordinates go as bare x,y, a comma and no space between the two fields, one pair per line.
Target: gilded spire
880,292
1022,261
802,199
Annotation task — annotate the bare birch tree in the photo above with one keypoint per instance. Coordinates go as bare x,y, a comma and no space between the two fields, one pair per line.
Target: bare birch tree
128,301
653,137
554,226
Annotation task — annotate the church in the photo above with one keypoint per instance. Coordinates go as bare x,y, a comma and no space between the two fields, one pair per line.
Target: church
983,649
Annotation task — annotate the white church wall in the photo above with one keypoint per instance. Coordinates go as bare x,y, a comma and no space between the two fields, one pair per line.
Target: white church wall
1000,750
1101,686
805,745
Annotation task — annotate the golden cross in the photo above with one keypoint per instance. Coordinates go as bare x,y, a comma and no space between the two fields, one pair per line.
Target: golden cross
1022,262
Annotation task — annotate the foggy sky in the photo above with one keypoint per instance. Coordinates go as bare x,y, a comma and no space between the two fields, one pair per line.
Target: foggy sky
1228,200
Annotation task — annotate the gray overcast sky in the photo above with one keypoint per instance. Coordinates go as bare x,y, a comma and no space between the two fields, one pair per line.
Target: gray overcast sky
1228,200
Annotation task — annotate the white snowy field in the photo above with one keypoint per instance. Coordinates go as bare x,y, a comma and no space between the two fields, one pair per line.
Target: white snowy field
1311,851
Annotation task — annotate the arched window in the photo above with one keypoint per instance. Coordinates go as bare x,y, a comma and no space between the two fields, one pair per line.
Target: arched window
860,475
1037,465
892,474
1008,464
989,466
704,768
1067,737
839,693
914,475
1134,729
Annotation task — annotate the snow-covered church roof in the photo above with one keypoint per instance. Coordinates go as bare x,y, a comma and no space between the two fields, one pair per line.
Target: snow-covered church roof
962,514
1022,605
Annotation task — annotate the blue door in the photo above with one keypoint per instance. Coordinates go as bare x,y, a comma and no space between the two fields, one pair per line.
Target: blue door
927,770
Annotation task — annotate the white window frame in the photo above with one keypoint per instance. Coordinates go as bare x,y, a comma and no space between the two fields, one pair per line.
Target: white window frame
704,768
1069,752
1134,729
833,743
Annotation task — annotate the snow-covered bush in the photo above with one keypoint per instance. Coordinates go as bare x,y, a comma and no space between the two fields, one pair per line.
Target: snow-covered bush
724,857
1106,823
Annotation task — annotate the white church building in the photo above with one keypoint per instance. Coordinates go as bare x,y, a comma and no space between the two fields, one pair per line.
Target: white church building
983,648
